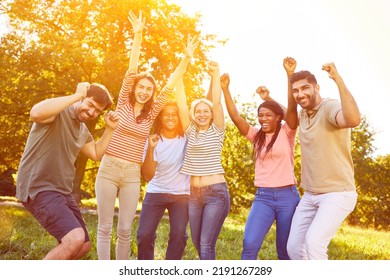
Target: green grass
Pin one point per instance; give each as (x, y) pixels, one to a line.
(22, 238)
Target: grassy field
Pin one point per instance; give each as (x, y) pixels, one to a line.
(22, 238)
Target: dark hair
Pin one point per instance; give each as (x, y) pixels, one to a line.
(100, 94)
(158, 122)
(148, 105)
(259, 140)
(303, 75)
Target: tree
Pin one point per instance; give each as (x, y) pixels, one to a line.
(379, 215)
(53, 45)
(237, 159)
(372, 178)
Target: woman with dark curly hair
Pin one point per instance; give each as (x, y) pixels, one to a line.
(167, 189)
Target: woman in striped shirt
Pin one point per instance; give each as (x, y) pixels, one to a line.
(119, 171)
(209, 196)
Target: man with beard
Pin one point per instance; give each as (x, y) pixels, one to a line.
(46, 172)
(326, 163)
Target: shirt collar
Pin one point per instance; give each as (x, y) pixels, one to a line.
(311, 113)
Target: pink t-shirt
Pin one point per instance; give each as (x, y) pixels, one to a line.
(277, 168)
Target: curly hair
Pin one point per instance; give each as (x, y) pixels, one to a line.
(158, 125)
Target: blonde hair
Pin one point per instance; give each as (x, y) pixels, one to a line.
(195, 103)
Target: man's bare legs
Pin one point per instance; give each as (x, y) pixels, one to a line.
(72, 246)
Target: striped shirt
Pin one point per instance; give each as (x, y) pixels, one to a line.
(129, 138)
(203, 153)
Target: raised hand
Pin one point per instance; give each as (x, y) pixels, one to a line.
(192, 44)
(112, 119)
(263, 92)
(152, 141)
(289, 65)
(213, 69)
(82, 89)
(331, 69)
(225, 80)
(138, 24)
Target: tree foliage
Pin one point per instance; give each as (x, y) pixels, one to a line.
(53, 45)
(237, 160)
(372, 178)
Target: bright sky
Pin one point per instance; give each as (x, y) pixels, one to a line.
(354, 34)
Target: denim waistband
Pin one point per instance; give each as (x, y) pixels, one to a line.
(276, 189)
(211, 187)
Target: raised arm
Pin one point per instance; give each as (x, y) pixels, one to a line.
(291, 114)
(128, 81)
(209, 95)
(181, 101)
(349, 115)
(192, 44)
(218, 116)
(239, 121)
(46, 110)
(95, 150)
(148, 168)
(264, 94)
(138, 25)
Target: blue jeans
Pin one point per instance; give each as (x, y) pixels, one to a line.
(270, 204)
(153, 208)
(209, 207)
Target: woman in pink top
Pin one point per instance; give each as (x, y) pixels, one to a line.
(276, 196)
(119, 171)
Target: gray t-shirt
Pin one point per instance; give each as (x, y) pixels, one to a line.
(48, 160)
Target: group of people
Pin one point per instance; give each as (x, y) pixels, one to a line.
(177, 150)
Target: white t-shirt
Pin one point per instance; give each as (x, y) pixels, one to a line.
(169, 153)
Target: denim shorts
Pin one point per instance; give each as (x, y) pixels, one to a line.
(57, 213)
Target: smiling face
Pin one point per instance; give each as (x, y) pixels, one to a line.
(306, 94)
(88, 109)
(203, 116)
(143, 91)
(268, 120)
(170, 118)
